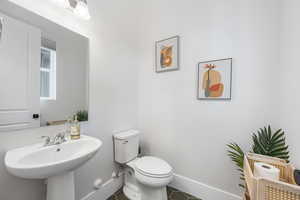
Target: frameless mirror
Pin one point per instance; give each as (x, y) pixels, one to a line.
(44, 71)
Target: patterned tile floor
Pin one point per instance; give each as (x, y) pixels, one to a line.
(173, 194)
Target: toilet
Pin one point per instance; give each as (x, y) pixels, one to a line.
(146, 177)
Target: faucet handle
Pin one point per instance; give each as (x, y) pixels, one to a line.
(60, 138)
(63, 136)
(44, 136)
(47, 141)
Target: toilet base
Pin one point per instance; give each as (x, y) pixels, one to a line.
(131, 192)
(145, 193)
(134, 190)
(149, 193)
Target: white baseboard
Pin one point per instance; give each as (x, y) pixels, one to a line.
(107, 189)
(190, 186)
(201, 190)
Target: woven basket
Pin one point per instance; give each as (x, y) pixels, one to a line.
(266, 189)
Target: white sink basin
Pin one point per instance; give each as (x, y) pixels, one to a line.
(54, 163)
(38, 162)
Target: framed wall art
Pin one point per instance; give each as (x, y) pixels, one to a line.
(167, 54)
(215, 80)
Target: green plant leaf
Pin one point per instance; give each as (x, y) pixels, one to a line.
(82, 115)
(236, 154)
(270, 144)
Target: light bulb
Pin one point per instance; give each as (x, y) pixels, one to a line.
(82, 10)
(62, 3)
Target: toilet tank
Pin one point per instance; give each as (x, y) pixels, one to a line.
(126, 146)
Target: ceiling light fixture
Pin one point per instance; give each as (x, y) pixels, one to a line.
(82, 9)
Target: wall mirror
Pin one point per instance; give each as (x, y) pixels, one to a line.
(43, 71)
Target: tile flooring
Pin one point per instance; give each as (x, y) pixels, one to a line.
(173, 194)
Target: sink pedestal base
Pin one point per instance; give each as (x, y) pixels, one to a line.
(61, 187)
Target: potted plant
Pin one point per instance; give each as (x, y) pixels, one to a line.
(82, 115)
(264, 142)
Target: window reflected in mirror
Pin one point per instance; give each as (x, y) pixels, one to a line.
(48, 70)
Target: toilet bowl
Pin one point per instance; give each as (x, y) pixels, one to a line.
(146, 177)
(153, 171)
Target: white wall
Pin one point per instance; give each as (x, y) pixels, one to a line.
(289, 109)
(113, 92)
(113, 82)
(192, 134)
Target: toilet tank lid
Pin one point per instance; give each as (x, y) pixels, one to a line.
(125, 135)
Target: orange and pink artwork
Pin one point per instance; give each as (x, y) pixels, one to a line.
(214, 79)
(167, 54)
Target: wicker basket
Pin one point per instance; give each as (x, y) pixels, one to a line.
(266, 189)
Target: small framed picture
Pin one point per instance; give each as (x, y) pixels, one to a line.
(215, 80)
(167, 54)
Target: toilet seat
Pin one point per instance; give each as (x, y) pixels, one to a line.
(153, 167)
(151, 171)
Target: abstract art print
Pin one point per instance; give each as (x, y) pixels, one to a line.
(167, 54)
(215, 79)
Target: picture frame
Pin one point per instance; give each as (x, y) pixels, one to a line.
(167, 54)
(214, 79)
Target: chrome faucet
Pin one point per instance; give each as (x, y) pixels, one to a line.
(60, 138)
(57, 139)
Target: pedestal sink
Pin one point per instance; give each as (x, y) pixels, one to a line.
(55, 163)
